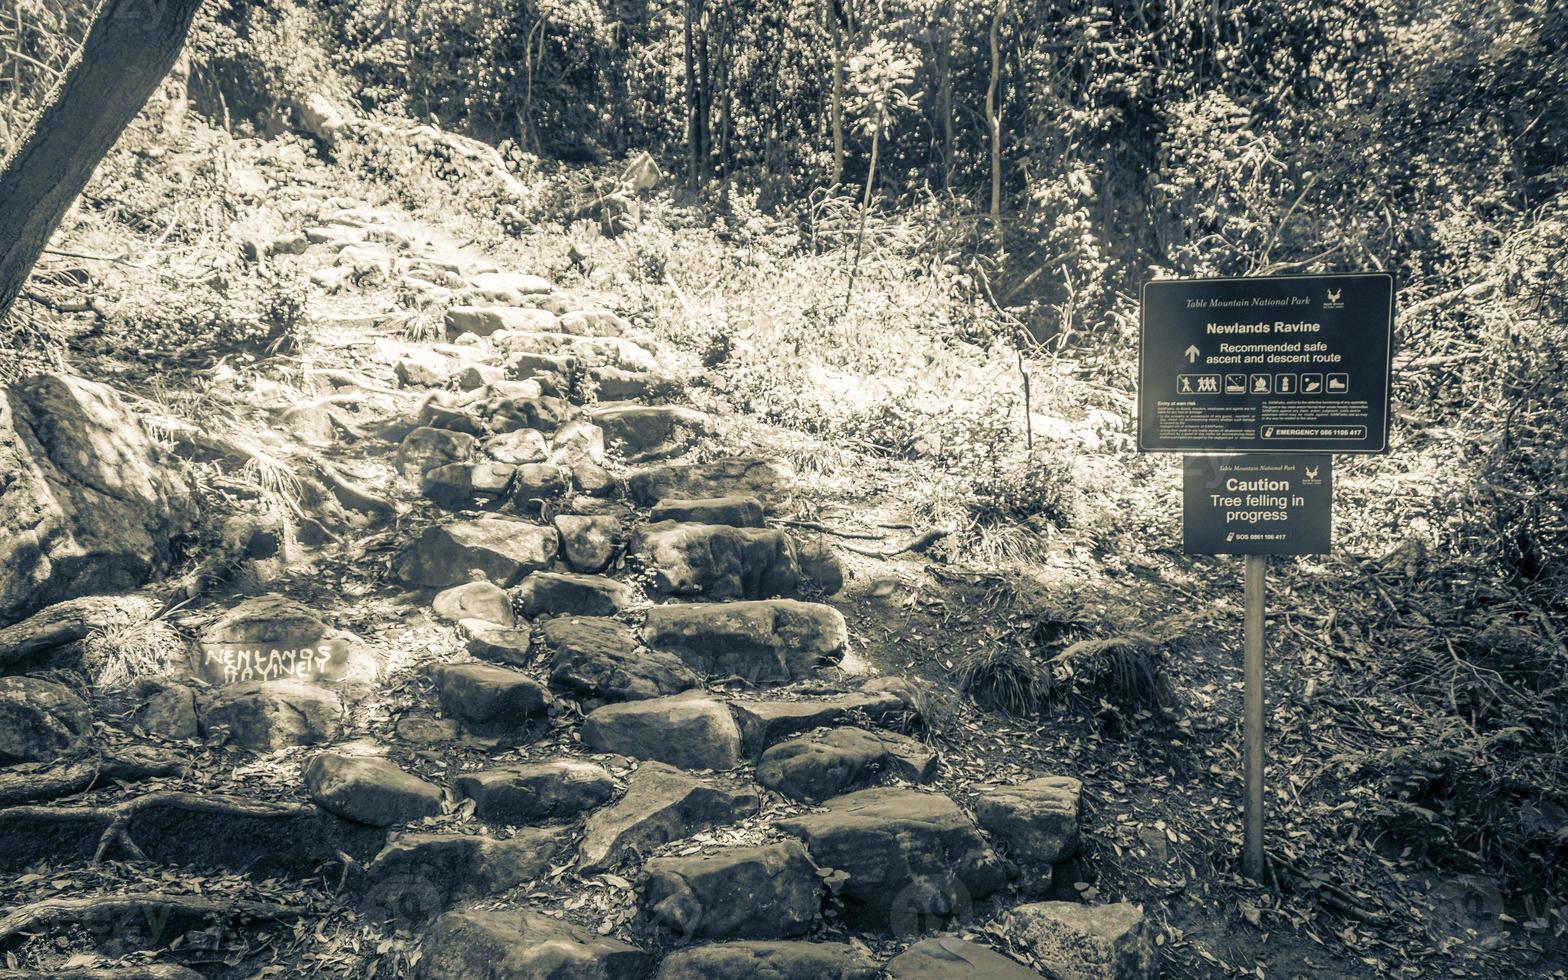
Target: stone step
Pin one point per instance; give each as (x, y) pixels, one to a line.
(595, 658)
(502, 283)
(493, 700)
(498, 644)
(500, 549)
(1083, 942)
(830, 763)
(771, 891)
(369, 790)
(774, 960)
(426, 448)
(765, 642)
(718, 561)
(951, 958)
(1034, 822)
(560, 789)
(265, 716)
(417, 876)
(518, 944)
(468, 486)
(572, 594)
(481, 601)
(483, 321)
(762, 723)
(910, 857)
(589, 543)
(690, 730)
(769, 480)
(616, 352)
(739, 511)
(661, 804)
(642, 433)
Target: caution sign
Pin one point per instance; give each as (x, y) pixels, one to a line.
(1282, 363)
(1257, 504)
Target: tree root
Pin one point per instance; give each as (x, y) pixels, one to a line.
(918, 543)
(83, 774)
(154, 909)
(72, 621)
(117, 816)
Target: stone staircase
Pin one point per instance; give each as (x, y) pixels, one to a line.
(650, 655)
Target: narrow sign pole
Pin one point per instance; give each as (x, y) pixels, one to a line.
(1252, 845)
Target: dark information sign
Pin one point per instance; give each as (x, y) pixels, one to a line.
(1257, 504)
(1282, 363)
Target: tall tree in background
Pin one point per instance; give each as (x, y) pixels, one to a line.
(993, 122)
(881, 73)
(129, 48)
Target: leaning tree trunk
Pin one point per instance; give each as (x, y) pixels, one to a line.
(130, 47)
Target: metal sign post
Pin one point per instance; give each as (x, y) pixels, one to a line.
(1252, 841)
(1284, 370)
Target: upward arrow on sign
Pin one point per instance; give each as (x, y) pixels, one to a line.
(1192, 354)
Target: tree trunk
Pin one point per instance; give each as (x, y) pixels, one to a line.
(692, 100)
(993, 120)
(944, 92)
(836, 111)
(129, 48)
(865, 206)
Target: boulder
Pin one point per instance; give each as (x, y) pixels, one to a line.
(484, 601)
(427, 448)
(423, 369)
(822, 764)
(477, 376)
(819, 564)
(769, 480)
(40, 720)
(500, 283)
(500, 549)
(592, 657)
(264, 716)
(577, 440)
(588, 543)
(369, 790)
(763, 723)
(498, 645)
(1083, 942)
(950, 958)
(88, 505)
(417, 875)
(766, 892)
(718, 561)
(661, 804)
(465, 486)
(644, 432)
(766, 642)
(618, 384)
(689, 730)
(542, 412)
(735, 511)
(520, 944)
(909, 758)
(777, 960)
(486, 320)
(561, 593)
(518, 447)
(556, 790)
(433, 414)
(909, 856)
(486, 696)
(1036, 822)
(536, 483)
(168, 710)
(272, 637)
